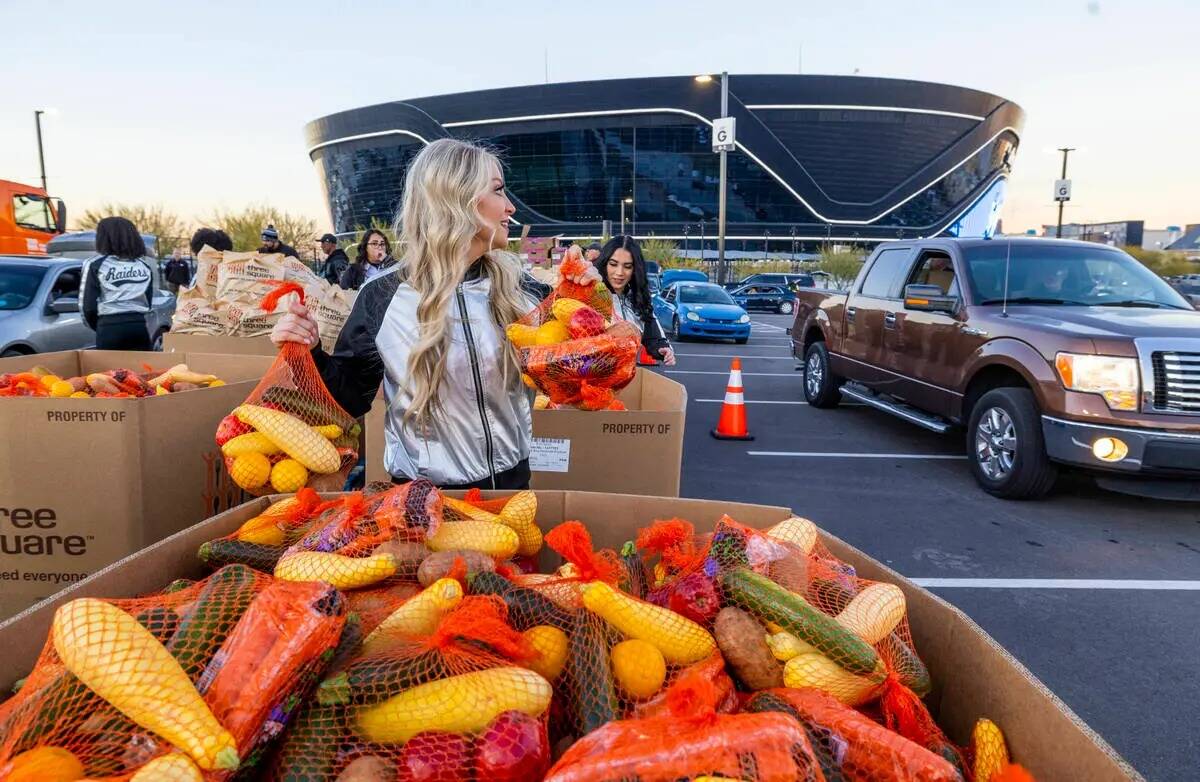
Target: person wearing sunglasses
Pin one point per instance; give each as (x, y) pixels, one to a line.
(374, 258)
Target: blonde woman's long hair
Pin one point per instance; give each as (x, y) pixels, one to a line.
(436, 222)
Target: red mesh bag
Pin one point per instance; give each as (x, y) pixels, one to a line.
(202, 677)
(260, 541)
(692, 740)
(570, 351)
(289, 433)
(458, 703)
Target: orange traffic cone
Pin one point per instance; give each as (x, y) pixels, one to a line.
(645, 359)
(732, 424)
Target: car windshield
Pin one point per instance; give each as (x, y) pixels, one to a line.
(703, 294)
(19, 284)
(1050, 273)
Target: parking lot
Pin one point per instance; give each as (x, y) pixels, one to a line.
(1115, 634)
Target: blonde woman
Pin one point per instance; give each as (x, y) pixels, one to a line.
(431, 329)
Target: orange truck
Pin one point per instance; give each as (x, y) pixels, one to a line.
(29, 219)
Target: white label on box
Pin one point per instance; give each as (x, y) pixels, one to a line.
(549, 454)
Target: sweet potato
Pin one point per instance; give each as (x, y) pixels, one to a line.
(438, 565)
(368, 768)
(409, 557)
(743, 643)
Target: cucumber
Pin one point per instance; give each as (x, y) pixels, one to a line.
(639, 580)
(591, 695)
(228, 551)
(178, 585)
(349, 644)
(221, 602)
(828, 747)
(309, 410)
(770, 602)
(376, 679)
(526, 607)
(309, 752)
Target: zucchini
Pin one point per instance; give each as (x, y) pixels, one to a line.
(310, 411)
(376, 679)
(591, 695)
(828, 747)
(638, 580)
(310, 749)
(229, 551)
(526, 607)
(221, 602)
(770, 602)
(349, 644)
(178, 585)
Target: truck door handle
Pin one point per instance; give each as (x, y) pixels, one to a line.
(850, 313)
(889, 320)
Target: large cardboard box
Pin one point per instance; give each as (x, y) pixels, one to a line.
(203, 343)
(973, 676)
(84, 482)
(636, 451)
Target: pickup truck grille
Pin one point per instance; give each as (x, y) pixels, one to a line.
(1176, 382)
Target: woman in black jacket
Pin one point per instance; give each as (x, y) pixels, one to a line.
(118, 287)
(623, 270)
(374, 258)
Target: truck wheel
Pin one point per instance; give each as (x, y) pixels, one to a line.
(820, 384)
(1005, 446)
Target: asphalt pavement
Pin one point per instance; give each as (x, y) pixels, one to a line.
(1121, 645)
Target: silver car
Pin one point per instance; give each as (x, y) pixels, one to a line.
(39, 307)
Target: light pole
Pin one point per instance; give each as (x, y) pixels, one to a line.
(721, 271)
(623, 202)
(1061, 202)
(37, 121)
(686, 230)
(766, 243)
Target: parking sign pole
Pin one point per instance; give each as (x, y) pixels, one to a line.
(721, 272)
(1061, 200)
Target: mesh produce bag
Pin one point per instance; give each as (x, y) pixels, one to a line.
(211, 672)
(289, 433)
(692, 740)
(570, 351)
(260, 541)
(455, 704)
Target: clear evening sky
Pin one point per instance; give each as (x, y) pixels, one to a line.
(201, 105)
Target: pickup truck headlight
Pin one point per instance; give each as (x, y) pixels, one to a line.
(1113, 377)
(692, 316)
(744, 319)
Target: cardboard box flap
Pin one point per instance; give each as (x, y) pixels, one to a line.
(661, 393)
(64, 363)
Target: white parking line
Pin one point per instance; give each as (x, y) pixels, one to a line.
(736, 355)
(1056, 583)
(744, 374)
(840, 455)
(777, 402)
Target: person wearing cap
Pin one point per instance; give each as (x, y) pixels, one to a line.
(272, 245)
(335, 261)
(592, 252)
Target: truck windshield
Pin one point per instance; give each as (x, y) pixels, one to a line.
(1049, 273)
(19, 285)
(703, 294)
(33, 212)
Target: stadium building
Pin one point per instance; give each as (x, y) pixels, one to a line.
(841, 158)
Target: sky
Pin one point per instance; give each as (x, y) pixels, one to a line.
(201, 106)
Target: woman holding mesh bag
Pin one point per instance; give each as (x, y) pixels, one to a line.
(431, 329)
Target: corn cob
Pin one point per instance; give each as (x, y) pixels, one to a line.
(169, 768)
(420, 614)
(874, 612)
(495, 540)
(120, 660)
(296, 438)
(991, 754)
(813, 669)
(679, 639)
(339, 571)
(459, 704)
(250, 442)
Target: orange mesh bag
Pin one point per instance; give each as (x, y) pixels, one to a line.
(570, 351)
(208, 673)
(458, 703)
(692, 741)
(260, 541)
(289, 433)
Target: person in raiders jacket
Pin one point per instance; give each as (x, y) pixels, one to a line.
(118, 287)
(431, 330)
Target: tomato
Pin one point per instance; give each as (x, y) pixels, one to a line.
(435, 756)
(695, 597)
(512, 749)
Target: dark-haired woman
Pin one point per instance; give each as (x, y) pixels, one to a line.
(374, 258)
(118, 287)
(623, 270)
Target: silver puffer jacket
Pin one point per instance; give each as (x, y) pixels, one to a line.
(484, 423)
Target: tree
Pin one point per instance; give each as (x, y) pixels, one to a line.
(245, 228)
(841, 265)
(664, 252)
(1164, 264)
(171, 230)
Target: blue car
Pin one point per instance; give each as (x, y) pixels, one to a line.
(701, 309)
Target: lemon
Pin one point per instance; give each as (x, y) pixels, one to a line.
(48, 381)
(81, 395)
(250, 470)
(288, 476)
(552, 332)
(551, 645)
(61, 389)
(639, 668)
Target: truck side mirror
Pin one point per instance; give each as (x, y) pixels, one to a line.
(60, 217)
(929, 298)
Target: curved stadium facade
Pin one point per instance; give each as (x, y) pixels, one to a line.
(818, 157)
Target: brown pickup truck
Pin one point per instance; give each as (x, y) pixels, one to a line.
(1047, 352)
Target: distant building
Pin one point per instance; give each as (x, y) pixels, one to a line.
(1189, 242)
(1160, 238)
(1118, 234)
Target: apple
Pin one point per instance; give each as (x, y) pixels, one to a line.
(512, 749)
(435, 756)
(230, 427)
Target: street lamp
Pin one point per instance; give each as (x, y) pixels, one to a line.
(623, 202)
(686, 230)
(721, 272)
(37, 120)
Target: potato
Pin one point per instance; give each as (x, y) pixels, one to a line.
(408, 557)
(368, 768)
(180, 385)
(438, 565)
(742, 641)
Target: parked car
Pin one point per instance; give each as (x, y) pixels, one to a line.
(771, 298)
(1048, 352)
(701, 309)
(791, 281)
(670, 276)
(1190, 289)
(39, 307)
(82, 245)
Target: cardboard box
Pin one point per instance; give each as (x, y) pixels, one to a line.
(202, 343)
(84, 482)
(973, 676)
(637, 451)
